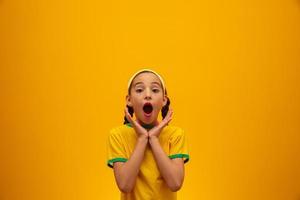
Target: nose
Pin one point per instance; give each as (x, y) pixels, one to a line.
(147, 94)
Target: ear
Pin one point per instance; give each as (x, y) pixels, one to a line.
(165, 100)
(128, 101)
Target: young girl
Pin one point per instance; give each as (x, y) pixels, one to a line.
(147, 156)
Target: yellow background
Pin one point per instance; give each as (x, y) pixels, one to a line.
(232, 73)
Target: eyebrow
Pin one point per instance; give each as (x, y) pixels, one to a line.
(143, 83)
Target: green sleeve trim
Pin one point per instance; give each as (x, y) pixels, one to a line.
(180, 155)
(110, 162)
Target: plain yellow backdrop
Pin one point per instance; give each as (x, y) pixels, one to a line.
(231, 70)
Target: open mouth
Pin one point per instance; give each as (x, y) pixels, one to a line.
(148, 108)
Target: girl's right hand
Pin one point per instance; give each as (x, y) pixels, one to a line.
(140, 131)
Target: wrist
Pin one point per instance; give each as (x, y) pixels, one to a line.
(153, 138)
(143, 138)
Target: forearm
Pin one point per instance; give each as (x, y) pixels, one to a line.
(131, 167)
(172, 174)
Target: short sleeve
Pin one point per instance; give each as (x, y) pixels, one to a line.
(115, 149)
(179, 146)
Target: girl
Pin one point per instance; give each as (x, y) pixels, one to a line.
(147, 156)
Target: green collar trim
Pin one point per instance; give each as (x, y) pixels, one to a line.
(146, 126)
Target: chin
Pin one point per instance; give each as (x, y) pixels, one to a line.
(148, 121)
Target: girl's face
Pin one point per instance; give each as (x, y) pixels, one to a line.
(146, 97)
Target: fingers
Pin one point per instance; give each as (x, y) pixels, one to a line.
(157, 129)
(136, 125)
(127, 115)
(129, 118)
(167, 118)
(169, 115)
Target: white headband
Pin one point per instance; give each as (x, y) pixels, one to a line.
(147, 70)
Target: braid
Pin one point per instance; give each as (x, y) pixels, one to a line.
(165, 109)
(130, 110)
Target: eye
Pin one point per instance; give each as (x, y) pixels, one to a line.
(155, 90)
(138, 90)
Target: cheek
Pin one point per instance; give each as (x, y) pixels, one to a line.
(159, 106)
(137, 108)
(135, 101)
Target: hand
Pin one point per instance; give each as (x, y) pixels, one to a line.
(155, 131)
(141, 131)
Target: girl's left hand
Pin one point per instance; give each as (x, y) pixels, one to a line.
(155, 131)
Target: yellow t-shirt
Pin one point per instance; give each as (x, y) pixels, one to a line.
(149, 184)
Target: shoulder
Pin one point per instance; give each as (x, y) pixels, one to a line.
(120, 130)
(173, 131)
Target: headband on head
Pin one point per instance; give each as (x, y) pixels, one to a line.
(147, 70)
